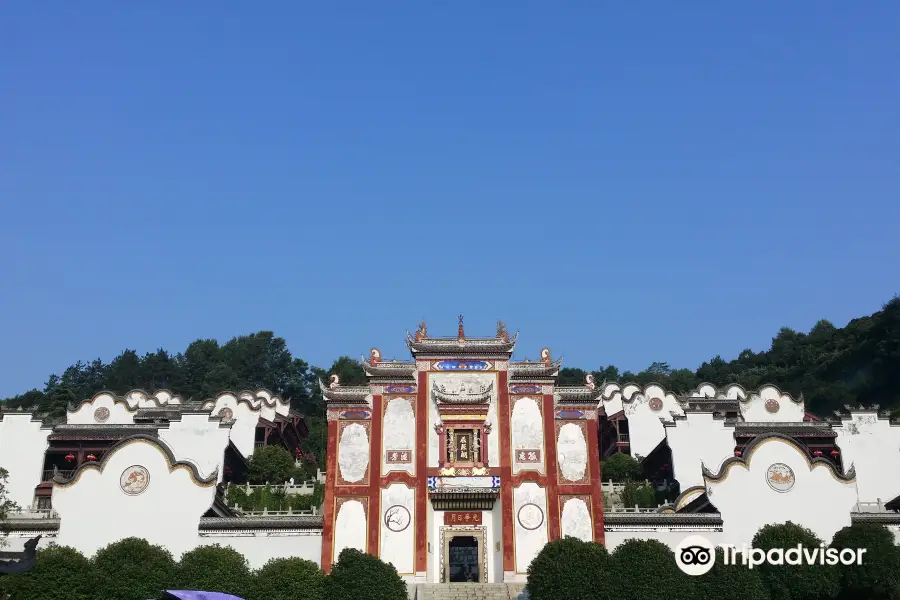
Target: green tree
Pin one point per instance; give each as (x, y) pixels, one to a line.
(794, 582)
(878, 577)
(270, 464)
(646, 570)
(61, 573)
(360, 576)
(731, 582)
(6, 505)
(640, 494)
(132, 569)
(621, 468)
(288, 579)
(567, 568)
(214, 569)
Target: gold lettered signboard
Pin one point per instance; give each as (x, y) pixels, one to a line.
(462, 518)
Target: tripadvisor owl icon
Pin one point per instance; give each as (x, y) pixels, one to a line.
(695, 555)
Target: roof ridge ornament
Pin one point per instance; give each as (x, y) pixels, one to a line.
(501, 331)
(335, 382)
(545, 357)
(422, 332)
(461, 333)
(374, 356)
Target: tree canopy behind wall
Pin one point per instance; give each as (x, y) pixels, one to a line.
(831, 366)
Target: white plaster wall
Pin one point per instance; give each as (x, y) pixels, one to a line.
(528, 542)
(398, 547)
(199, 439)
(434, 442)
(669, 537)
(261, 546)
(872, 445)
(353, 453)
(527, 434)
(645, 429)
(572, 452)
(753, 407)
(141, 399)
(698, 440)
(576, 520)
(22, 446)
(243, 429)
(399, 433)
(611, 399)
(119, 412)
(261, 402)
(495, 533)
(817, 500)
(350, 527)
(94, 511)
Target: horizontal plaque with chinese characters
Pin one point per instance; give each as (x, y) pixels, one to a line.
(462, 518)
(528, 456)
(399, 457)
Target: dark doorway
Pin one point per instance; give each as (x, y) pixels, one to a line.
(463, 560)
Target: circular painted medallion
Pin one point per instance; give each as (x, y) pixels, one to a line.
(226, 414)
(772, 405)
(530, 516)
(134, 480)
(780, 477)
(396, 518)
(101, 414)
(656, 404)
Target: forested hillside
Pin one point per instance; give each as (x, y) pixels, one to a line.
(831, 366)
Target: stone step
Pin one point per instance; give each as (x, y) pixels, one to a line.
(470, 591)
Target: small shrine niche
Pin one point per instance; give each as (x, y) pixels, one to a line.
(463, 407)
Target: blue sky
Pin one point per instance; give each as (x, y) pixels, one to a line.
(624, 184)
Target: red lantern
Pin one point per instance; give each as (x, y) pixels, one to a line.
(835, 453)
(70, 457)
(228, 470)
(737, 452)
(817, 453)
(91, 457)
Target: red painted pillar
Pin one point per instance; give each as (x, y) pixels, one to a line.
(330, 478)
(374, 512)
(506, 483)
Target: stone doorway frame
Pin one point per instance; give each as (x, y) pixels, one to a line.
(479, 532)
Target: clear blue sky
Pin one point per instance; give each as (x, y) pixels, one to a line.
(622, 184)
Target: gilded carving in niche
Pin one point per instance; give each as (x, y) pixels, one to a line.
(463, 445)
(101, 415)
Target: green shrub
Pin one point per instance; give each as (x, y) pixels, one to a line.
(61, 573)
(621, 468)
(132, 569)
(360, 576)
(214, 569)
(288, 579)
(794, 582)
(731, 582)
(270, 464)
(878, 578)
(641, 494)
(567, 568)
(646, 570)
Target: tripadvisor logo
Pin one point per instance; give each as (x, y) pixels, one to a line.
(695, 555)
